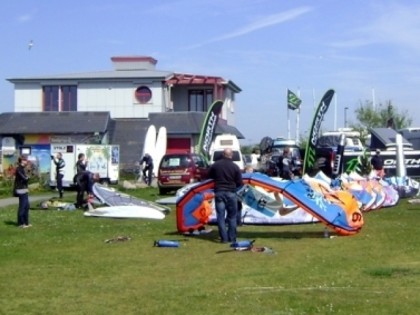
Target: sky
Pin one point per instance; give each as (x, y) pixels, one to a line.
(366, 50)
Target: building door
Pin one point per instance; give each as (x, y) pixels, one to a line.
(178, 145)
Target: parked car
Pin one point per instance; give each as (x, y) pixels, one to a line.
(179, 169)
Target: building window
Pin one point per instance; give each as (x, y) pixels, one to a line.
(60, 98)
(143, 94)
(199, 100)
(51, 98)
(69, 98)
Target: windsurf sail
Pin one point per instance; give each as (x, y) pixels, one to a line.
(309, 160)
(208, 129)
(113, 197)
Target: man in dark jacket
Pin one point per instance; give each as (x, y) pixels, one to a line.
(21, 190)
(85, 182)
(378, 164)
(59, 171)
(147, 169)
(227, 179)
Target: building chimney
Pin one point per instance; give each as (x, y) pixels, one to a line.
(125, 63)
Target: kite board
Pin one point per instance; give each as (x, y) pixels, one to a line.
(126, 212)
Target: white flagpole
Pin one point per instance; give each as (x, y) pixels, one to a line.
(288, 116)
(373, 100)
(298, 119)
(313, 98)
(335, 111)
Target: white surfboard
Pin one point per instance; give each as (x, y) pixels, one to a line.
(126, 212)
(150, 141)
(160, 147)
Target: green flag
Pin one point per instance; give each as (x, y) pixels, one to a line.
(293, 102)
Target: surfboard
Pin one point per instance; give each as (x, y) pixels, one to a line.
(259, 201)
(150, 142)
(160, 145)
(126, 212)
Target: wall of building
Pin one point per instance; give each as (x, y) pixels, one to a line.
(119, 99)
(28, 97)
(116, 97)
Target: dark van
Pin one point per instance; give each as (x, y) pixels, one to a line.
(179, 169)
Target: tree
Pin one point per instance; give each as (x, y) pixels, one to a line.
(382, 116)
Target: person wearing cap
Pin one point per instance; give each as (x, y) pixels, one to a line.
(378, 164)
(21, 190)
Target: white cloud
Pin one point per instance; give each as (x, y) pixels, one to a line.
(24, 18)
(266, 22)
(391, 24)
(261, 23)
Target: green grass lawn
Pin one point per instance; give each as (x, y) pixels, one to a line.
(62, 265)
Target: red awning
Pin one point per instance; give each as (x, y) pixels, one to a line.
(188, 79)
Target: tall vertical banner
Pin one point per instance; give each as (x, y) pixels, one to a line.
(309, 160)
(208, 129)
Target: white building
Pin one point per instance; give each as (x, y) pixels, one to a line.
(134, 93)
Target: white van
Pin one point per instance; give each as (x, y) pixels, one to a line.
(222, 142)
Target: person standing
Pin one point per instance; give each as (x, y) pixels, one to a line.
(148, 168)
(85, 181)
(286, 164)
(255, 158)
(59, 171)
(227, 179)
(22, 191)
(378, 164)
(81, 166)
(81, 163)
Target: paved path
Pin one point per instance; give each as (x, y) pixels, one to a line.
(14, 200)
